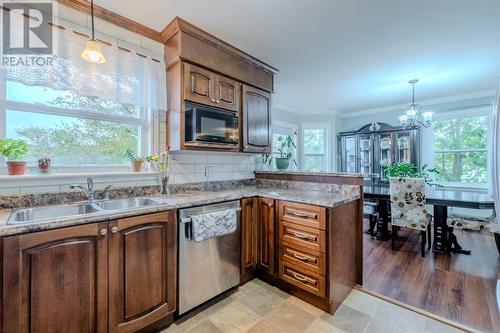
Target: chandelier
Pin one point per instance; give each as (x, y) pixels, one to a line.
(414, 117)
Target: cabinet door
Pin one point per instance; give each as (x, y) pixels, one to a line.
(199, 85)
(248, 238)
(227, 93)
(56, 281)
(256, 120)
(349, 157)
(266, 236)
(142, 270)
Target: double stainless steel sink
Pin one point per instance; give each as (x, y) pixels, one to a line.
(40, 214)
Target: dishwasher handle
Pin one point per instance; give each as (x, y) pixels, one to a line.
(188, 219)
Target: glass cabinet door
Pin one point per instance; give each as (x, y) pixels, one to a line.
(350, 154)
(365, 154)
(385, 153)
(403, 150)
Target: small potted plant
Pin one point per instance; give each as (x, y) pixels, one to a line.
(264, 162)
(153, 162)
(134, 160)
(44, 164)
(14, 151)
(285, 146)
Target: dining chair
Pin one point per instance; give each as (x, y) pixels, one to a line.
(408, 208)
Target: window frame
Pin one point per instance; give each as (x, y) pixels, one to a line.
(144, 121)
(482, 111)
(326, 145)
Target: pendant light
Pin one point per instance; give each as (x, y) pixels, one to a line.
(92, 52)
(414, 117)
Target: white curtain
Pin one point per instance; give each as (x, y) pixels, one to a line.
(494, 157)
(125, 77)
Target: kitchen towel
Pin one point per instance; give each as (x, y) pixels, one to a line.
(215, 224)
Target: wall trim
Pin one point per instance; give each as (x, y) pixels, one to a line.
(395, 107)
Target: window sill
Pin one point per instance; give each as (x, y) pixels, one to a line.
(11, 185)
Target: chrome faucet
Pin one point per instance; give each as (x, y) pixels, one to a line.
(89, 191)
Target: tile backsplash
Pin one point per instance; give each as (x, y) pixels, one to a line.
(190, 167)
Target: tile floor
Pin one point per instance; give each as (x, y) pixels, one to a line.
(258, 307)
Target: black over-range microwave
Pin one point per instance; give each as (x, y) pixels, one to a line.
(208, 125)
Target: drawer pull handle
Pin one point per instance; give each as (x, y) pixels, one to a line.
(302, 278)
(302, 236)
(303, 258)
(298, 214)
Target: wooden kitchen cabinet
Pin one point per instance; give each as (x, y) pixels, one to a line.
(142, 270)
(117, 276)
(56, 281)
(256, 115)
(206, 87)
(266, 238)
(249, 211)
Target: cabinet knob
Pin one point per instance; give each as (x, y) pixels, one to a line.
(103, 232)
(213, 100)
(269, 204)
(114, 230)
(217, 101)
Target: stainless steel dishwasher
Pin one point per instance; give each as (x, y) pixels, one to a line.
(210, 267)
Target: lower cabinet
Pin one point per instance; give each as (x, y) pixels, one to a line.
(70, 279)
(266, 236)
(249, 215)
(142, 271)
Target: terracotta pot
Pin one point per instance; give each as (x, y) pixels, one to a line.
(136, 165)
(16, 168)
(44, 167)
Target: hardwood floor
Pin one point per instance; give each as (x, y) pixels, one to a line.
(458, 287)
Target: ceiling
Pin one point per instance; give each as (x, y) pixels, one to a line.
(348, 55)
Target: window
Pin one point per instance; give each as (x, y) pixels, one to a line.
(460, 149)
(71, 129)
(283, 129)
(315, 140)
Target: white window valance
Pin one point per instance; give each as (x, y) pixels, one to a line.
(126, 77)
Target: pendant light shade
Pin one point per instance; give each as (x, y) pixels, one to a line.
(93, 52)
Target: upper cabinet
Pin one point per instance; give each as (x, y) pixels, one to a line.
(205, 87)
(206, 70)
(256, 120)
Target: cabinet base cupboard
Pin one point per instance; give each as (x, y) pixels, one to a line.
(314, 248)
(116, 276)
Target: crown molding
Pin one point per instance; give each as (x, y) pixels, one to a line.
(434, 101)
(300, 112)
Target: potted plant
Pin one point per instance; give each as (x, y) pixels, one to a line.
(264, 162)
(285, 147)
(14, 151)
(153, 162)
(134, 160)
(44, 164)
(410, 170)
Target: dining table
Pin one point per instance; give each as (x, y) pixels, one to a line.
(444, 240)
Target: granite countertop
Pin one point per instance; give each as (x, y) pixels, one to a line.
(318, 173)
(184, 200)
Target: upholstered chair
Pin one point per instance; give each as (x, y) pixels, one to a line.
(408, 208)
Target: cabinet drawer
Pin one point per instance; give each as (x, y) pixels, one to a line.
(310, 260)
(313, 283)
(307, 215)
(302, 236)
